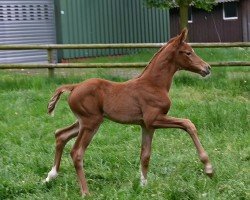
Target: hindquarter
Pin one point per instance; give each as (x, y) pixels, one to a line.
(85, 99)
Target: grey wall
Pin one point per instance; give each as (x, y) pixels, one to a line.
(26, 22)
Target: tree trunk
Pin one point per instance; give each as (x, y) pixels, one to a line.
(183, 16)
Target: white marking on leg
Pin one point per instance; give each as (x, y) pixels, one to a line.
(52, 113)
(143, 180)
(208, 169)
(52, 174)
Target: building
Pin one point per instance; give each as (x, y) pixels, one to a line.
(72, 22)
(26, 22)
(229, 21)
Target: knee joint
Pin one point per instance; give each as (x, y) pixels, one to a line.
(76, 156)
(58, 133)
(60, 141)
(190, 126)
(59, 136)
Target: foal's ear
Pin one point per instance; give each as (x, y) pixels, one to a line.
(182, 37)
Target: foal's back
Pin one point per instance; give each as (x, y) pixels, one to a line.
(116, 101)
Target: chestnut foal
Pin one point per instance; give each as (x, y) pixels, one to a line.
(143, 101)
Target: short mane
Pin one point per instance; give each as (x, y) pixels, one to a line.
(156, 54)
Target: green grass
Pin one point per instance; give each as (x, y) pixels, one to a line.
(208, 54)
(218, 105)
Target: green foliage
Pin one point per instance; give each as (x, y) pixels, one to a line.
(205, 5)
(161, 3)
(202, 4)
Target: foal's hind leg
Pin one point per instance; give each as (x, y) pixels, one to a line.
(62, 137)
(86, 133)
(147, 136)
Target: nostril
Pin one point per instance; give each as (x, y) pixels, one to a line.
(209, 67)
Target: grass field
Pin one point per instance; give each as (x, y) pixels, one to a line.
(208, 54)
(218, 105)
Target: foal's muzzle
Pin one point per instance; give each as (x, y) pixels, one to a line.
(205, 71)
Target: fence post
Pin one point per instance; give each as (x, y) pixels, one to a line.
(50, 60)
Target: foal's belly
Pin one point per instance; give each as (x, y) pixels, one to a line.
(123, 114)
(122, 109)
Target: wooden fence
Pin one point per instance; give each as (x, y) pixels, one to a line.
(51, 65)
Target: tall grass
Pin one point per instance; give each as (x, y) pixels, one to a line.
(218, 105)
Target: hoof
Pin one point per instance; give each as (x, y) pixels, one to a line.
(209, 171)
(85, 194)
(144, 183)
(51, 175)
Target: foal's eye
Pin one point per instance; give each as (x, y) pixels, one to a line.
(188, 53)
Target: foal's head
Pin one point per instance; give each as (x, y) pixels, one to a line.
(185, 58)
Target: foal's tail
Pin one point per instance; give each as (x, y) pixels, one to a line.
(56, 96)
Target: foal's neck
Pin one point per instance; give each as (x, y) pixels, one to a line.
(160, 72)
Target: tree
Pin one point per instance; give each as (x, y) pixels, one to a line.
(183, 6)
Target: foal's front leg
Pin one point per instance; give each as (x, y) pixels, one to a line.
(147, 136)
(185, 124)
(62, 137)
